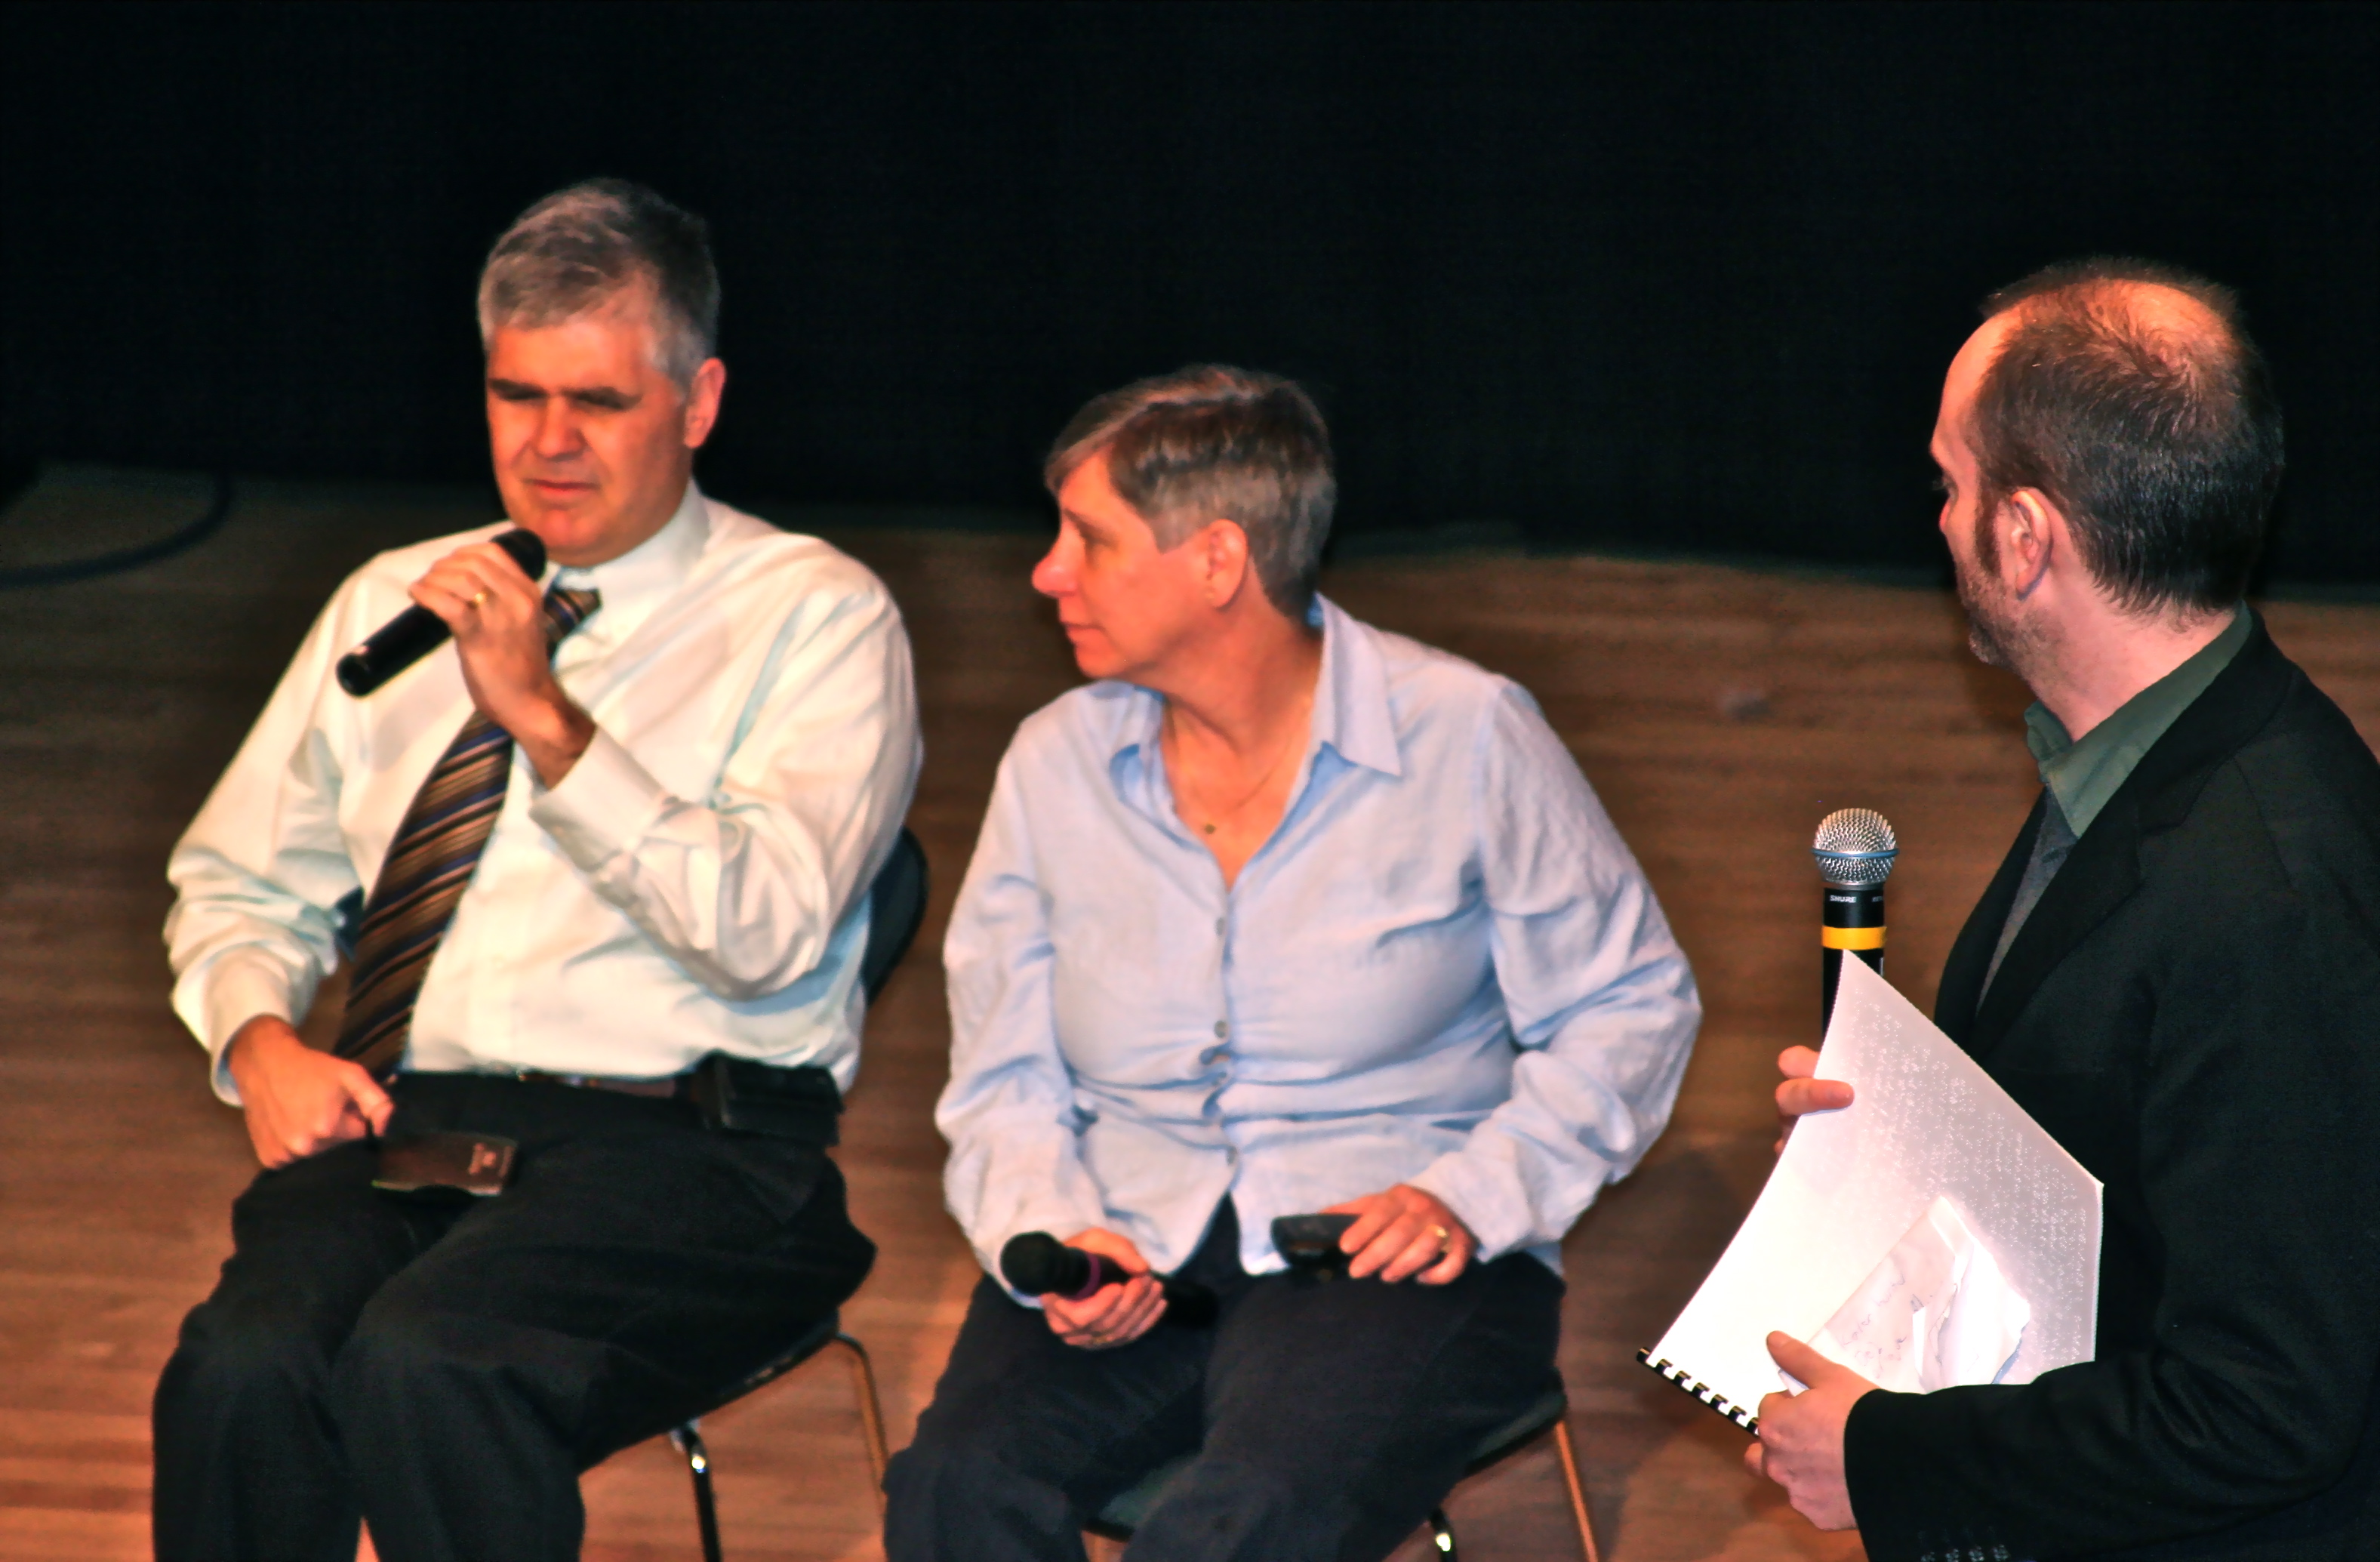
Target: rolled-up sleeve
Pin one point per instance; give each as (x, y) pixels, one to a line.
(1008, 1110)
(1601, 1000)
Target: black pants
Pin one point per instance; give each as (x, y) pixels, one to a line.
(1328, 1417)
(447, 1372)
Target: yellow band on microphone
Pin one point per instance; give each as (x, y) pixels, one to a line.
(1851, 939)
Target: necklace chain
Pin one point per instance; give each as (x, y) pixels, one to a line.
(1215, 816)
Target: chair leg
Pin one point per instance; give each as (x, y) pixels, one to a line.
(871, 1412)
(1577, 1494)
(1442, 1534)
(688, 1439)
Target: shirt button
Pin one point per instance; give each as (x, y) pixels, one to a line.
(1220, 924)
(1222, 1027)
(1212, 1054)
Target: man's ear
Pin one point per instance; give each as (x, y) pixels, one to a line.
(703, 401)
(2031, 537)
(1222, 561)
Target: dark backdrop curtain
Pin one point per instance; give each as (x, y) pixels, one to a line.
(1669, 276)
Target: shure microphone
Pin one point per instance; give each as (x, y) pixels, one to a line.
(1038, 1264)
(417, 631)
(1855, 850)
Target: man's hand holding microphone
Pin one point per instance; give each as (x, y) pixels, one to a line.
(298, 1101)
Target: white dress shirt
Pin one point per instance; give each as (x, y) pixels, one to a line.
(696, 882)
(1443, 968)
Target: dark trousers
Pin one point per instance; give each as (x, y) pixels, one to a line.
(446, 1371)
(1329, 1417)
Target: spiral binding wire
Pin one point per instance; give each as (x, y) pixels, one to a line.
(1742, 1415)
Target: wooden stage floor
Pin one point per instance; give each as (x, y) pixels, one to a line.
(1720, 713)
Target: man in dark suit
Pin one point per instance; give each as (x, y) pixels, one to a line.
(2176, 970)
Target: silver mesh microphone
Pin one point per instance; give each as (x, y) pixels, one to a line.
(1855, 848)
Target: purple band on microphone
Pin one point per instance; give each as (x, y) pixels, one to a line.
(1098, 1277)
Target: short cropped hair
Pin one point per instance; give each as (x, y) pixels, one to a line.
(2160, 440)
(1211, 442)
(579, 248)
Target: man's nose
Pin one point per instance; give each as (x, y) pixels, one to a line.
(557, 428)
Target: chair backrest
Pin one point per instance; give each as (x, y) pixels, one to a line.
(897, 904)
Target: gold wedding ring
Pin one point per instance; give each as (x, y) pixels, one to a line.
(1444, 1237)
(478, 597)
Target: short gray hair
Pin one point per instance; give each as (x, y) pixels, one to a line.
(578, 247)
(1212, 442)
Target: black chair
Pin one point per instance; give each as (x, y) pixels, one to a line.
(897, 905)
(1549, 1414)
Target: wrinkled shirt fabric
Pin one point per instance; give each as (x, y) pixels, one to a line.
(1444, 968)
(696, 882)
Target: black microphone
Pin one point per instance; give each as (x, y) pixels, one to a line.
(1037, 1263)
(417, 631)
(1855, 848)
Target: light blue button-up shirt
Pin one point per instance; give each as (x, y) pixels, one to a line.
(1443, 968)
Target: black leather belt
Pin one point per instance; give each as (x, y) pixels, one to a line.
(734, 1095)
(674, 1087)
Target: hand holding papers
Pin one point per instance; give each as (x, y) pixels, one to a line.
(1847, 1229)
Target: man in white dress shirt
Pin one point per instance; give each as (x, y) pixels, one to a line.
(618, 837)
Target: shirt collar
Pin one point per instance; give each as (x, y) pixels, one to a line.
(1352, 714)
(1350, 697)
(2082, 775)
(639, 579)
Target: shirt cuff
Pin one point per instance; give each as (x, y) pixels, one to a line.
(237, 994)
(1498, 1221)
(602, 807)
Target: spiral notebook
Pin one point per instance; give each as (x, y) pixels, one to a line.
(1830, 1238)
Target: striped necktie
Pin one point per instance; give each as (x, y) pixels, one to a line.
(429, 866)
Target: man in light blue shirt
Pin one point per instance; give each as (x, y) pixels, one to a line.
(1284, 914)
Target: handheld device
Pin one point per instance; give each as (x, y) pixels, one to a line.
(1310, 1242)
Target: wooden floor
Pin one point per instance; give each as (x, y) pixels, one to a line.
(1720, 713)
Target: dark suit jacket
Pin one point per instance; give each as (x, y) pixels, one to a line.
(2193, 1010)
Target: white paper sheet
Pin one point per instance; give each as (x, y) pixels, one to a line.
(1926, 1123)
